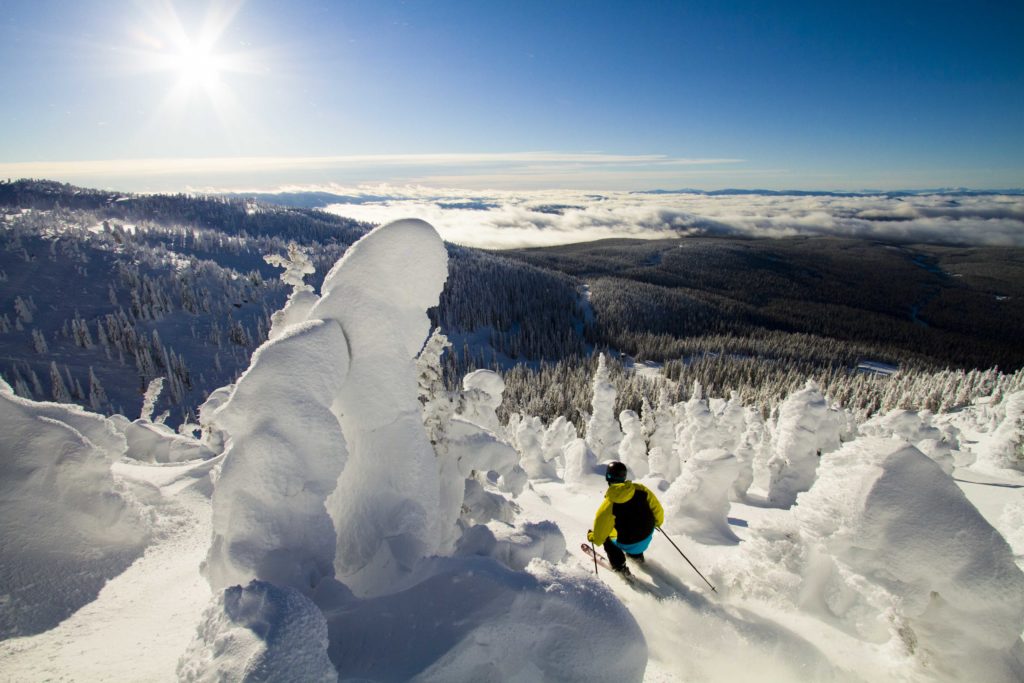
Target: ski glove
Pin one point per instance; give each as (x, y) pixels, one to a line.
(590, 535)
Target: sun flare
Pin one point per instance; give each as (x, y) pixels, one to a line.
(196, 55)
(198, 65)
(205, 66)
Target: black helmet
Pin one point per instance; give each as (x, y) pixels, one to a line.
(616, 473)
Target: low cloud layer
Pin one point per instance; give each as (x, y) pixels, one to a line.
(508, 220)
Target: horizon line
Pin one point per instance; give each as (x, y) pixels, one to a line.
(394, 191)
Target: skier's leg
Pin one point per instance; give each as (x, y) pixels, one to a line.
(616, 557)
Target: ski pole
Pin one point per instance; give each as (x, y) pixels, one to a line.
(686, 558)
(593, 553)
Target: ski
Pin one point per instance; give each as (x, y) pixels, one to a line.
(593, 554)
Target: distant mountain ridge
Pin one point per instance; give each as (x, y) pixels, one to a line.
(315, 199)
(949, 192)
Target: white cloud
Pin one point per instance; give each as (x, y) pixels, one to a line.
(516, 219)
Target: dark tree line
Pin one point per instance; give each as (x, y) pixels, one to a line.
(531, 313)
(956, 306)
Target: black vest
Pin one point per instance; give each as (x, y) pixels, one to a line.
(634, 520)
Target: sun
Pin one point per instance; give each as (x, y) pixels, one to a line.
(205, 64)
(197, 66)
(193, 53)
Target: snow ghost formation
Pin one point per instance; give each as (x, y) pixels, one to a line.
(559, 434)
(633, 449)
(661, 458)
(697, 503)
(528, 438)
(696, 429)
(482, 391)
(580, 461)
(480, 455)
(603, 433)
(334, 533)
(285, 450)
(751, 441)
(806, 429)
(330, 405)
(477, 430)
(386, 507)
(1007, 445)
(732, 422)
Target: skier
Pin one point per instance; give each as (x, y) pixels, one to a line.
(626, 519)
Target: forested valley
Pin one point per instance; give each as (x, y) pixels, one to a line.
(104, 292)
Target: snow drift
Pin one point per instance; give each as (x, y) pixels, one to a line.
(66, 526)
(261, 632)
(886, 546)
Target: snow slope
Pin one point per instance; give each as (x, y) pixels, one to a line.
(143, 620)
(140, 623)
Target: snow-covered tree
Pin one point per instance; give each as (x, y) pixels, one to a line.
(603, 432)
(751, 443)
(559, 434)
(481, 395)
(917, 429)
(807, 428)
(379, 293)
(633, 448)
(150, 398)
(437, 404)
(661, 456)
(58, 389)
(697, 503)
(696, 428)
(297, 265)
(647, 419)
(1006, 445)
(896, 552)
(23, 309)
(478, 430)
(37, 386)
(732, 422)
(528, 438)
(80, 332)
(39, 344)
(580, 461)
(97, 395)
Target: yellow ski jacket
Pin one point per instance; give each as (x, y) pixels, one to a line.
(628, 513)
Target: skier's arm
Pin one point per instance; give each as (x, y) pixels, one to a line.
(604, 523)
(656, 509)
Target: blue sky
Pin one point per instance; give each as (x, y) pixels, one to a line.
(600, 95)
